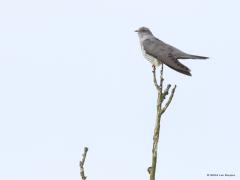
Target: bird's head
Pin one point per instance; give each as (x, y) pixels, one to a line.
(143, 31)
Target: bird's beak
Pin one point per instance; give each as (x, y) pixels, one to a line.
(136, 30)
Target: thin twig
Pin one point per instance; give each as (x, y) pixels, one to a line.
(169, 99)
(165, 92)
(81, 164)
(155, 79)
(161, 79)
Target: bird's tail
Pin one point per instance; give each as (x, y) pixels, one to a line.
(190, 56)
(179, 67)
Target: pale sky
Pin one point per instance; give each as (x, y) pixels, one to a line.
(72, 75)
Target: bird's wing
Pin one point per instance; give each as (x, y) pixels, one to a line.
(165, 53)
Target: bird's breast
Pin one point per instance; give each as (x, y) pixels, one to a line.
(150, 58)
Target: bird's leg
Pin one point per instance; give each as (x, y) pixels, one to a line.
(154, 68)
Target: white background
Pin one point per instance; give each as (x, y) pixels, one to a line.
(72, 75)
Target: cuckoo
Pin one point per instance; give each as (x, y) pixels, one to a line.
(158, 52)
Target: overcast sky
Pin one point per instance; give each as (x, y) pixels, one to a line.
(72, 75)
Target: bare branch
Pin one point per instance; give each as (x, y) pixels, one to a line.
(169, 100)
(161, 97)
(152, 169)
(81, 164)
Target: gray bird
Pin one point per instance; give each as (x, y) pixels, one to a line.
(157, 52)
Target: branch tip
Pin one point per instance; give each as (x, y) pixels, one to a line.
(81, 164)
(169, 99)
